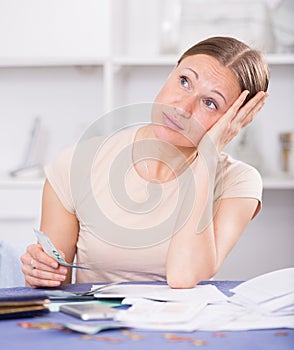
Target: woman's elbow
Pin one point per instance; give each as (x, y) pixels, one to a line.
(177, 283)
(187, 281)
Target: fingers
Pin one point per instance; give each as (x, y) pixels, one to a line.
(233, 110)
(37, 253)
(247, 113)
(40, 270)
(252, 108)
(42, 278)
(236, 117)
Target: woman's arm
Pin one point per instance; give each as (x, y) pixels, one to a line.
(194, 257)
(62, 228)
(197, 251)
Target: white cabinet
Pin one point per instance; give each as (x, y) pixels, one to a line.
(53, 30)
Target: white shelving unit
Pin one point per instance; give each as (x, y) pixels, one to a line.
(127, 75)
(121, 68)
(112, 68)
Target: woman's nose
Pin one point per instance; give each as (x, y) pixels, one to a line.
(182, 113)
(186, 107)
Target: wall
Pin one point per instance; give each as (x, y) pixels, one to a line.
(267, 243)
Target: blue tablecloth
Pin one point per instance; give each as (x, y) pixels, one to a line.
(12, 336)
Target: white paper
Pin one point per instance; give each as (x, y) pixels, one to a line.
(234, 318)
(267, 286)
(218, 317)
(280, 305)
(265, 302)
(159, 313)
(268, 299)
(202, 293)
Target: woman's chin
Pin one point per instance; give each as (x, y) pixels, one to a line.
(176, 138)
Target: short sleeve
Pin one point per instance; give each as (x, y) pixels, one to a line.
(58, 175)
(237, 179)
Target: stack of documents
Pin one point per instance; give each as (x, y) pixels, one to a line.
(156, 315)
(263, 302)
(158, 307)
(271, 294)
(161, 292)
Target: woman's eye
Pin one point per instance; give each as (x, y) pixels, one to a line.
(210, 104)
(184, 81)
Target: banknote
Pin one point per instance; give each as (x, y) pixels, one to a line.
(50, 249)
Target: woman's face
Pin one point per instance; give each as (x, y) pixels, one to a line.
(196, 95)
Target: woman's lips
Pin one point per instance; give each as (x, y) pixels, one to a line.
(171, 123)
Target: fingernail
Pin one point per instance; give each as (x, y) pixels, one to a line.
(63, 270)
(61, 277)
(54, 265)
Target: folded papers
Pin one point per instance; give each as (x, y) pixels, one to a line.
(201, 293)
(264, 302)
(156, 315)
(267, 286)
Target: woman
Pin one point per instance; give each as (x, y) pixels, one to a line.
(161, 201)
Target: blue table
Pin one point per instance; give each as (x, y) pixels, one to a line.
(12, 336)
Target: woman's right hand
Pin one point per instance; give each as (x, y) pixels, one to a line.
(40, 270)
(235, 118)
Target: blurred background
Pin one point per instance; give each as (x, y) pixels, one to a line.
(64, 63)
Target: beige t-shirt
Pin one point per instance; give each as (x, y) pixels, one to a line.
(125, 222)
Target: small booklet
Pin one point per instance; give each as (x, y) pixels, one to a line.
(22, 302)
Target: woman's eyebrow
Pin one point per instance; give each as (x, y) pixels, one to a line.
(220, 94)
(195, 73)
(215, 91)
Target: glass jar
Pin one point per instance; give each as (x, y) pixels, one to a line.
(287, 159)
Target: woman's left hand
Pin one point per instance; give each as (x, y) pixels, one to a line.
(236, 118)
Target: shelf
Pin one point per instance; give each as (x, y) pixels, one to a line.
(276, 59)
(278, 183)
(168, 60)
(21, 183)
(17, 183)
(21, 62)
(171, 60)
(164, 60)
